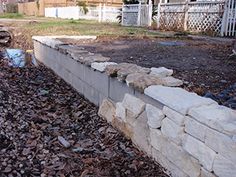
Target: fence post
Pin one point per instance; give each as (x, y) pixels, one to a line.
(100, 13)
(150, 13)
(158, 15)
(139, 14)
(104, 12)
(186, 16)
(122, 15)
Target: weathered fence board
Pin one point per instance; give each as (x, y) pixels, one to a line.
(214, 17)
(137, 14)
(229, 19)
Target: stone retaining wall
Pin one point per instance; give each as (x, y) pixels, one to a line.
(187, 134)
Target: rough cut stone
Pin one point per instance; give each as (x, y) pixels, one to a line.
(49, 41)
(205, 173)
(161, 72)
(181, 159)
(140, 81)
(80, 56)
(68, 49)
(141, 133)
(107, 110)
(157, 139)
(101, 66)
(221, 143)
(200, 151)
(123, 69)
(120, 111)
(177, 98)
(88, 60)
(223, 167)
(133, 104)
(172, 131)
(123, 127)
(217, 117)
(171, 82)
(172, 169)
(195, 128)
(154, 116)
(131, 68)
(173, 115)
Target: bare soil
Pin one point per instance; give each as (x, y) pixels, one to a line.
(204, 65)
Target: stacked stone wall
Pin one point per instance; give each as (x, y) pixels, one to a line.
(187, 134)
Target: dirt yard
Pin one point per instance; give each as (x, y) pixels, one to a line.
(203, 65)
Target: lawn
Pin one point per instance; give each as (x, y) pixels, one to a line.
(11, 15)
(85, 27)
(49, 26)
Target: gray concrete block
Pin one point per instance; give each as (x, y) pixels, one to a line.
(101, 98)
(91, 94)
(37, 50)
(77, 84)
(148, 99)
(97, 80)
(67, 76)
(75, 67)
(118, 89)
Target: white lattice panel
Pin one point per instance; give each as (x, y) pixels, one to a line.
(205, 17)
(194, 16)
(172, 16)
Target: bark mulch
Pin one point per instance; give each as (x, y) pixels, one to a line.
(48, 129)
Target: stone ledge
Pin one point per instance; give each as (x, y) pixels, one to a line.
(210, 129)
(217, 117)
(177, 98)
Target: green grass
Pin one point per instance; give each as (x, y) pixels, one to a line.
(50, 26)
(11, 15)
(85, 27)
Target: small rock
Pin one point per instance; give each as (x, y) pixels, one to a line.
(62, 140)
(102, 65)
(7, 170)
(223, 81)
(161, 72)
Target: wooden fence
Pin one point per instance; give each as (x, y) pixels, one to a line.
(191, 16)
(229, 19)
(214, 17)
(101, 13)
(137, 14)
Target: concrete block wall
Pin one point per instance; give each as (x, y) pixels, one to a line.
(187, 134)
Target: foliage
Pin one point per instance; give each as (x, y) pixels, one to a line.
(130, 1)
(38, 4)
(119, 16)
(154, 13)
(83, 5)
(11, 8)
(11, 15)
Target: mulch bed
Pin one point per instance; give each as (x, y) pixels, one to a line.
(37, 107)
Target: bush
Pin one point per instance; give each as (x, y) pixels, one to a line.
(83, 5)
(12, 8)
(130, 1)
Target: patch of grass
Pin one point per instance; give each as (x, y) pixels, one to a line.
(85, 27)
(11, 15)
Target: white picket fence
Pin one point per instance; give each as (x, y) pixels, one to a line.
(137, 14)
(100, 13)
(229, 19)
(215, 17)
